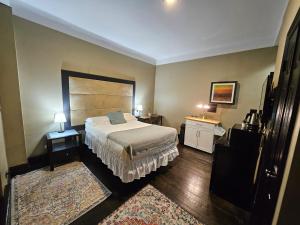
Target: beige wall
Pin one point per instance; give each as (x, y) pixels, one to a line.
(179, 87)
(9, 91)
(289, 16)
(42, 53)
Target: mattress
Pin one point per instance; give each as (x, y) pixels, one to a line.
(116, 156)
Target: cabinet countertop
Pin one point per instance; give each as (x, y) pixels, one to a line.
(198, 119)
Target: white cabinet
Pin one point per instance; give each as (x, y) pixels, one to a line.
(206, 139)
(200, 134)
(191, 136)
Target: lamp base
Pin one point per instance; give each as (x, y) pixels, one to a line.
(61, 129)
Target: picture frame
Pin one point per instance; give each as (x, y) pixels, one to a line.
(223, 92)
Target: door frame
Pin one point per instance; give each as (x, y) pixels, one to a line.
(258, 212)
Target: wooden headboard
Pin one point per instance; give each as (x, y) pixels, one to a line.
(86, 95)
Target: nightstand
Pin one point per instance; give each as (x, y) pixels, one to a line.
(63, 146)
(153, 119)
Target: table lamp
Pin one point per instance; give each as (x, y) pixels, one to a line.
(203, 108)
(60, 118)
(139, 109)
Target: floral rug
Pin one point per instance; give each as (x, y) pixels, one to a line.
(57, 197)
(149, 207)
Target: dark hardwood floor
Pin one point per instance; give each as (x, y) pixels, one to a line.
(185, 181)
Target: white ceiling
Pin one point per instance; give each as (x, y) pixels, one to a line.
(152, 32)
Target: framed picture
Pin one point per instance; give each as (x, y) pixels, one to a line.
(223, 92)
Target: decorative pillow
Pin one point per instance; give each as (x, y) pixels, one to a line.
(129, 117)
(116, 118)
(99, 120)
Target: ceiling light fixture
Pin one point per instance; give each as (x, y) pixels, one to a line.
(170, 2)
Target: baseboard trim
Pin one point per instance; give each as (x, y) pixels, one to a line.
(19, 169)
(2, 210)
(7, 205)
(33, 163)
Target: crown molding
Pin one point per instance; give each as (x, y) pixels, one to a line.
(5, 2)
(35, 15)
(277, 33)
(221, 50)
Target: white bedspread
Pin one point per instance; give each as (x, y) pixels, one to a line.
(118, 160)
(105, 130)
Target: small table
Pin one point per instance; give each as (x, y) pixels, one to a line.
(153, 119)
(63, 145)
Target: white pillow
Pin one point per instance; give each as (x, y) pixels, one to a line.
(129, 117)
(99, 120)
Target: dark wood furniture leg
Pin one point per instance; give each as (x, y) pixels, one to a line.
(80, 146)
(50, 152)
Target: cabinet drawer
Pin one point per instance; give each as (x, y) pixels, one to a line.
(66, 155)
(199, 124)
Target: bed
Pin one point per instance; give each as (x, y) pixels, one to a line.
(132, 149)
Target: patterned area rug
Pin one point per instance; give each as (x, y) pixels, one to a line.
(149, 207)
(57, 197)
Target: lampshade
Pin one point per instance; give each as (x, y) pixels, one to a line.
(60, 117)
(139, 108)
(206, 107)
(200, 106)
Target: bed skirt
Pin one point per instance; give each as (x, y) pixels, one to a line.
(120, 163)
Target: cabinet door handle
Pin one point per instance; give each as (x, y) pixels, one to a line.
(197, 138)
